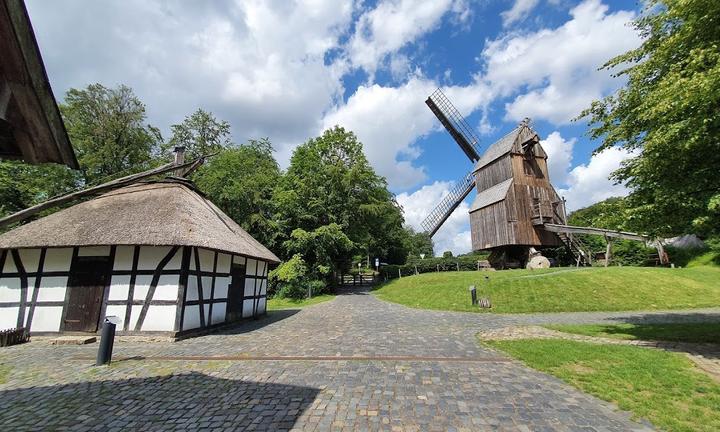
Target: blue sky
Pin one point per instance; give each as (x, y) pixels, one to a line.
(287, 70)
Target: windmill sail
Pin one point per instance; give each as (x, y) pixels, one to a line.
(448, 204)
(454, 122)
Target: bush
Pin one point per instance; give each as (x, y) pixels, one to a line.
(290, 280)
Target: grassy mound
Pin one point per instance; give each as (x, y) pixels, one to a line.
(561, 289)
(660, 386)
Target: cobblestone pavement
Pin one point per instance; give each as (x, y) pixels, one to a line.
(355, 363)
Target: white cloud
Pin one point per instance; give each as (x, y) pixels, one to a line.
(552, 73)
(519, 11)
(454, 235)
(559, 152)
(389, 120)
(590, 183)
(392, 24)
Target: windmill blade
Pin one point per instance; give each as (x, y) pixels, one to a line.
(454, 122)
(448, 204)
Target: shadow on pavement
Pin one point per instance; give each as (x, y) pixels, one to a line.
(188, 401)
(250, 325)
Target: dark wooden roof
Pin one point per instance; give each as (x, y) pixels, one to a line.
(31, 127)
(513, 142)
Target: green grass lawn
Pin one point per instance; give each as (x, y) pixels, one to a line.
(691, 332)
(561, 289)
(278, 303)
(660, 386)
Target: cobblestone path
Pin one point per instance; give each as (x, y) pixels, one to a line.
(355, 363)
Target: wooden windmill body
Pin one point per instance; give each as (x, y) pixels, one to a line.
(517, 211)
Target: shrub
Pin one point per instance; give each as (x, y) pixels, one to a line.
(291, 280)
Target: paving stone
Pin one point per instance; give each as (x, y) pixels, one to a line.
(358, 364)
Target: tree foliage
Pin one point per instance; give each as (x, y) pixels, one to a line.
(108, 129)
(331, 187)
(241, 180)
(419, 243)
(201, 134)
(668, 115)
(23, 185)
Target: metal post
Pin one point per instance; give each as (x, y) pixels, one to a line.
(399, 274)
(107, 338)
(473, 295)
(608, 251)
(457, 263)
(416, 272)
(437, 268)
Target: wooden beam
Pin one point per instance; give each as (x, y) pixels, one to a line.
(95, 190)
(596, 231)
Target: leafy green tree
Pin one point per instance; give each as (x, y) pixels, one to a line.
(668, 114)
(108, 129)
(419, 243)
(331, 184)
(241, 181)
(201, 134)
(23, 185)
(326, 249)
(447, 254)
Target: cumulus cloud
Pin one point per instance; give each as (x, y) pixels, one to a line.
(559, 152)
(454, 235)
(552, 74)
(519, 11)
(590, 183)
(392, 24)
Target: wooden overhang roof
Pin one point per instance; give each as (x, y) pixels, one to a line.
(160, 213)
(31, 127)
(513, 142)
(491, 195)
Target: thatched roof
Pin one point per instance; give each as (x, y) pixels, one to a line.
(491, 195)
(163, 213)
(510, 143)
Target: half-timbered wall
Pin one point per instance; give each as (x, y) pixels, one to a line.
(149, 288)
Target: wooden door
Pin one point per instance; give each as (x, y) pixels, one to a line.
(86, 286)
(236, 292)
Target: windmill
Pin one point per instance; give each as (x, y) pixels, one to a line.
(517, 210)
(514, 196)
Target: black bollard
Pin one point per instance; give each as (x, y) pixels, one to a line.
(107, 338)
(473, 295)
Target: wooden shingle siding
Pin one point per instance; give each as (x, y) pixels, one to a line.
(494, 173)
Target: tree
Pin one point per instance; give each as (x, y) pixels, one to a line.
(23, 185)
(419, 243)
(241, 180)
(201, 134)
(331, 184)
(668, 115)
(108, 131)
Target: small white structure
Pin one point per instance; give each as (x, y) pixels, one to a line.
(158, 255)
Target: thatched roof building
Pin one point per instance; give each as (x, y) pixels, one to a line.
(158, 255)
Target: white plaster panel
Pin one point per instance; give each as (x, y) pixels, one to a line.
(57, 259)
(249, 287)
(206, 309)
(150, 257)
(134, 316)
(159, 318)
(123, 258)
(223, 264)
(207, 259)
(251, 267)
(8, 317)
(142, 285)
(263, 287)
(207, 287)
(262, 268)
(10, 290)
(119, 288)
(192, 291)
(247, 308)
(221, 287)
(192, 266)
(167, 288)
(261, 306)
(239, 260)
(94, 251)
(117, 311)
(30, 259)
(30, 290)
(46, 318)
(52, 288)
(9, 266)
(191, 319)
(218, 313)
